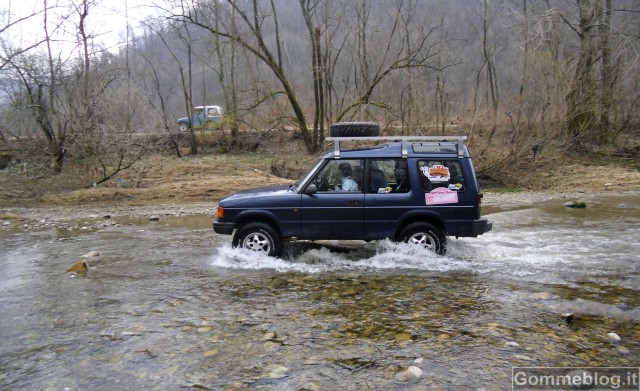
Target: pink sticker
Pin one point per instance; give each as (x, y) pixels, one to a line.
(441, 195)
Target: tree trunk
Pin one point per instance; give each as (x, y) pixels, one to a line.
(581, 100)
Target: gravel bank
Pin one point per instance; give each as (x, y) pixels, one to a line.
(63, 215)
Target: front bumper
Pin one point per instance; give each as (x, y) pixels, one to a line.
(223, 228)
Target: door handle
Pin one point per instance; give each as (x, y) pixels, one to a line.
(354, 203)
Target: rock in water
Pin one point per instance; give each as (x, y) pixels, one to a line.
(613, 337)
(78, 268)
(412, 373)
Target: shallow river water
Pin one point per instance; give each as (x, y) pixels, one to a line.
(168, 305)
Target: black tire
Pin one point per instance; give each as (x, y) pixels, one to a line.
(260, 237)
(425, 234)
(355, 129)
(183, 127)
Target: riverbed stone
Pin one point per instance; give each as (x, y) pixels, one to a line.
(613, 337)
(274, 371)
(622, 350)
(410, 374)
(78, 268)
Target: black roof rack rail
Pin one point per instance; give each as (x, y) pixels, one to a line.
(435, 140)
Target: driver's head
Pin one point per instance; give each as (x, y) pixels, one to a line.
(345, 169)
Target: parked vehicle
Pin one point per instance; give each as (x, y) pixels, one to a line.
(201, 116)
(412, 189)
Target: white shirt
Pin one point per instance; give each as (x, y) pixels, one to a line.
(349, 184)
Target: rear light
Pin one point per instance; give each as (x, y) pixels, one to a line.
(480, 196)
(220, 213)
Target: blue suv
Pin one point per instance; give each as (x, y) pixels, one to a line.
(412, 189)
(201, 116)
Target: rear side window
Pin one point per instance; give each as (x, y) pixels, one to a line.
(388, 176)
(441, 173)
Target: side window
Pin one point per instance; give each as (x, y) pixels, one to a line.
(344, 175)
(441, 173)
(388, 176)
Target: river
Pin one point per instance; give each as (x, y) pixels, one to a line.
(169, 305)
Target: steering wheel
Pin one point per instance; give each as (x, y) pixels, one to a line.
(322, 183)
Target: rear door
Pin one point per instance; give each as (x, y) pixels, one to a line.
(388, 196)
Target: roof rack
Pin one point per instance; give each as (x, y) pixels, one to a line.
(434, 140)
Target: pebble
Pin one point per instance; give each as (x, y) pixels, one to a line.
(274, 371)
(412, 373)
(78, 268)
(91, 254)
(623, 350)
(613, 337)
(512, 344)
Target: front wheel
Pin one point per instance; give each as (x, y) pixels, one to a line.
(183, 127)
(425, 234)
(259, 237)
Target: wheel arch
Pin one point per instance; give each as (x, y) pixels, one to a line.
(420, 218)
(258, 216)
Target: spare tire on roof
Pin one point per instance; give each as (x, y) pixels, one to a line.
(355, 129)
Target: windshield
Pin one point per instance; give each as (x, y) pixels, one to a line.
(306, 175)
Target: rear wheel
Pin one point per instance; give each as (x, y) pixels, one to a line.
(425, 234)
(259, 237)
(183, 127)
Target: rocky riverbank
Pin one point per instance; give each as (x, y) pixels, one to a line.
(96, 216)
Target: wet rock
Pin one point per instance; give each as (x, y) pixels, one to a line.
(78, 268)
(542, 296)
(312, 386)
(568, 317)
(154, 218)
(274, 371)
(622, 350)
(575, 204)
(312, 361)
(412, 373)
(613, 337)
(269, 336)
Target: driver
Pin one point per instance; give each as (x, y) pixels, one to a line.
(348, 184)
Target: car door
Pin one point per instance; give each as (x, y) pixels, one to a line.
(388, 196)
(336, 209)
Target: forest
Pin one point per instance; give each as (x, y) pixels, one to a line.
(517, 77)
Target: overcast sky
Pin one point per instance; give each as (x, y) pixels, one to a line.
(107, 20)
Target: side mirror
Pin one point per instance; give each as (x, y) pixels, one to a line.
(311, 189)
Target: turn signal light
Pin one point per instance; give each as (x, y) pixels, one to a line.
(220, 213)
